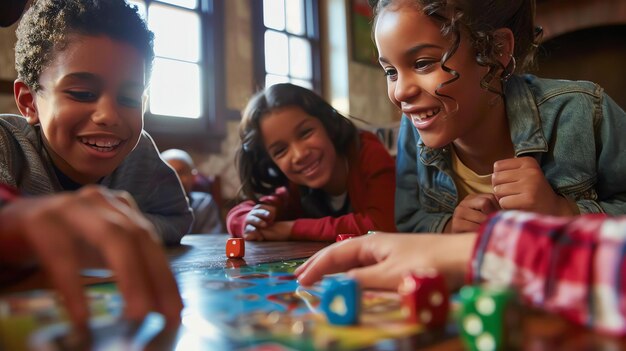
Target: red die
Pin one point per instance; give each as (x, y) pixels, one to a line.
(341, 237)
(425, 298)
(235, 248)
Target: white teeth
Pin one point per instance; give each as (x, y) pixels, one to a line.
(425, 114)
(101, 142)
(309, 168)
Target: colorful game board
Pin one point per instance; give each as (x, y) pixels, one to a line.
(243, 307)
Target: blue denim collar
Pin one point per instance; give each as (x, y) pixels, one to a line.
(524, 124)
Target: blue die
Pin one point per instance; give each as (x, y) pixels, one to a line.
(341, 300)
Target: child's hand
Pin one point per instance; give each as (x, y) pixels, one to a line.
(279, 231)
(58, 231)
(261, 216)
(381, 260)
(519, 183)
(472, 211)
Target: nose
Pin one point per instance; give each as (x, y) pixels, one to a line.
(405, 88)
(299, 152)
(106, 112)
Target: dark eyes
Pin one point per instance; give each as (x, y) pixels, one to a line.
(421, 65)
(390, 73)
(278, 152)
(306, 132)
(88, 96)
(129, 102)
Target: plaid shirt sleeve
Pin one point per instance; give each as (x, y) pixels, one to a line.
(572, 266)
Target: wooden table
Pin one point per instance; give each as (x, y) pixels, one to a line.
(209, 251)
(541, 332)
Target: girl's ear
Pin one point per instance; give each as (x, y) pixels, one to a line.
(505, 44)
(25, 100)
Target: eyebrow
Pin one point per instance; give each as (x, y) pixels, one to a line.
(412, 51)
(297, 127)
(90, 77)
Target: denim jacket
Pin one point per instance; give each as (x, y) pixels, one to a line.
(573, 129)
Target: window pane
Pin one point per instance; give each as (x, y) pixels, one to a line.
(300, 58)
(303, 83)
(175, 89)
(271, 79)
(190, 4)
(295, 16)
(176, 31)
(276, 53)
(274, 14)
(141, 8)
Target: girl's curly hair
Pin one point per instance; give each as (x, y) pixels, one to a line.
(257, 171)
(47, 25)
(479, 20)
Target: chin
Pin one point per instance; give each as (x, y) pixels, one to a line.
(435, 142)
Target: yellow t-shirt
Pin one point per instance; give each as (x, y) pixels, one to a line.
(467, 181)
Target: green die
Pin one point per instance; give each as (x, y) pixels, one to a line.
(488, 318)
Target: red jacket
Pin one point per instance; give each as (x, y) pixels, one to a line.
(371, 189)
(572, 266)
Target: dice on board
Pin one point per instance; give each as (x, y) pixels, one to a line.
(341, 300)
(235, 248)
(425, 298)
(341, 237)
(488, 318)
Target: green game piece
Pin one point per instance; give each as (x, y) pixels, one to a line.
(487, 318)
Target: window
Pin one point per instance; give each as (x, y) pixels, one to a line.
(287, 43)
(183, 98)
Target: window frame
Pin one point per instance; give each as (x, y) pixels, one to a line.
(206, 132)
(312, 35)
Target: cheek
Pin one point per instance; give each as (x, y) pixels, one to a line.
(390, 93)
(136, 121)
(282, 164)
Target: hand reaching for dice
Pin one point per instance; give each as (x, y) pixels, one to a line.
(381, 260)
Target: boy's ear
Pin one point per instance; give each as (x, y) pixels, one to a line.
(505, 44)
(25, 100)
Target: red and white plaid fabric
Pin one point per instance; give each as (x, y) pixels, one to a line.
(573, 266)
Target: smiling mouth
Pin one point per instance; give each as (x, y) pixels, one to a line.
(423, 116)
(101, 144)
(310, 168)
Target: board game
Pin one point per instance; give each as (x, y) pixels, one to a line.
(238, 307)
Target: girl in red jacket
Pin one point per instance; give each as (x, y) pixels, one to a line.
(307, 172)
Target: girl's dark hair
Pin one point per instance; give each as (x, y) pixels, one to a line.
(479, 20)
(46, 27)
(259, 175)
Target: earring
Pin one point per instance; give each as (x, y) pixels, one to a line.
(509, 70)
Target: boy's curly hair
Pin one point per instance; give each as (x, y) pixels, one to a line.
(46, 26)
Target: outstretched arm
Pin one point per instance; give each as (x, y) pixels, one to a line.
(381, 260)
(59, 232)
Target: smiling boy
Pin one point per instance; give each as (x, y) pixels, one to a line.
(82, 71)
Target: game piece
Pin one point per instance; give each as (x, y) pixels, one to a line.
(341, 300)
(341, 237)
(235, 248)
(488, 318)
(425, 298)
